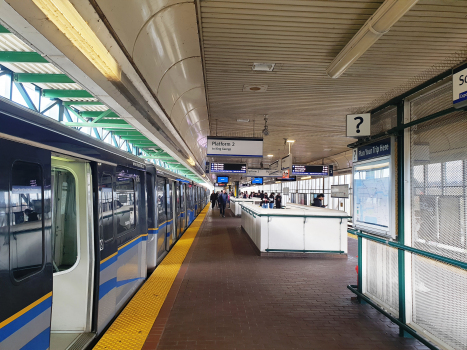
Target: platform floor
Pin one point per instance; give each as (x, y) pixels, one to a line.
(227, 297)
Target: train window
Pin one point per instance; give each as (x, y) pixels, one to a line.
(65, 230)
(150, 200)
(106, 211)
(124, 211)
(161, 215)
(26, 231)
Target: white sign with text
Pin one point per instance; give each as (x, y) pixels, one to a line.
(235, 147)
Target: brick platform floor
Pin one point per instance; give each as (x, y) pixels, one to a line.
(230, 298)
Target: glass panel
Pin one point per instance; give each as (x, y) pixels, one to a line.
(124, 211)
(161, 216)
(26, 231)
(106, 212)
(150, 200)
(65, 242)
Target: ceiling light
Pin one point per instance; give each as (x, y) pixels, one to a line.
(290, 141)
(270, 155)
(305, 178)
(69, 22)
(264, 67)
(191, 161)
(255, 88)
(327, 149)
(378, 25)
(243, 120)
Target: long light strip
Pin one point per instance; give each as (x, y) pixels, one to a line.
(69, 22)
(378, 25)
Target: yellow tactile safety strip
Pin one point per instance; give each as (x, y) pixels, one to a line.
(352, 236)
(131, 328)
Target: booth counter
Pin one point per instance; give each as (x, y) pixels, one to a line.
(296, 229)
(235, 204)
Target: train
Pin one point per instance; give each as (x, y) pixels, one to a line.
(82, 225)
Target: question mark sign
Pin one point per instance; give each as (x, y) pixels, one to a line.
(359, 123)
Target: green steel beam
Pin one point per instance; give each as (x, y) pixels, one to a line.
(135, 137)
(21, 57)
(77, 115)
(100, 125)
(102, 115)
(123, 133)
(41, 78)
(82, 103)
(3, 30)
(52, 93)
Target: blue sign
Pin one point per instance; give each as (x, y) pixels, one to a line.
(257, 180)
(222, 179)
(373, 150)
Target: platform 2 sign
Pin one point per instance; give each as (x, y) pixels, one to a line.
(459, 86)
(373, 150)
(235, 147)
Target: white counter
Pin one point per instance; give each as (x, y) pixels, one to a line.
(296, 229)
(235, 206)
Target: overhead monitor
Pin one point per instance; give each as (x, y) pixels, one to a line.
(314, 170)
(290, 178)
(228, 168)
(257, 181)
(222, 179)
(340, 191)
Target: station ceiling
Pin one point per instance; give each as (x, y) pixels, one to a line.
(302, 38)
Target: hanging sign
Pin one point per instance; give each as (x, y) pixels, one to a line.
(459, 86)
(358, 125)
(376, 149)
(235, 147)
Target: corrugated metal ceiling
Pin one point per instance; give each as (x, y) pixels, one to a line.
(302, 38)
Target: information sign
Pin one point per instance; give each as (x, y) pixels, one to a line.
(257, 181)
(234, 147)
(340, 191)
(459, 86)
(290, 178)
(222, 179)
(376, 149)
(358, 125)
(228, 168)
(314, 170)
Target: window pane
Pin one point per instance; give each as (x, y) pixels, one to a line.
(65, 244)
(454, 173)
(434, 174)
(106, 212)
(125, 204)
(26, 231)
(161, 217)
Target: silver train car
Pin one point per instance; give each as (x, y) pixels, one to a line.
(82, 224)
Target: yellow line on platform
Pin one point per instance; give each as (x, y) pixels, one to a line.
(132, 326)
(352, 236)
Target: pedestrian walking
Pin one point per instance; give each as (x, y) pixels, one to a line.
(213, 199)
(223, 198)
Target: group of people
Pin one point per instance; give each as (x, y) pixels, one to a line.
(266, 201)
(221, 199)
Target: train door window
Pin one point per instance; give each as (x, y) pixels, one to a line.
(106, 213)
(150, 200)
(65, 227)
(161, 201)
(125, 204)
(26, 231)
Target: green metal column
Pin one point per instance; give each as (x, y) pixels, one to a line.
(400, 215)
(360, 270)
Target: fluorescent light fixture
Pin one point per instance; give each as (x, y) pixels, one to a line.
(270, 155)
(69, 22)
(243, 120)
(290, 141)
(327, 149)
(263, 67)
(305, 178)
(378, 25)
(191, 161)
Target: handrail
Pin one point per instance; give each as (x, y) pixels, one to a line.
(296, 215)
(409, 330)
(399, 246)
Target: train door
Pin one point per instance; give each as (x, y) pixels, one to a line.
(162, 246)
(177, 211)
(169, 205)
(151, 244)
(25, 246)
(72, 251)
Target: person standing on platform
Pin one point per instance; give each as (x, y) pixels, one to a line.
(271, 200)
(318, 201)
(261, 195)
(213, 199)
(223, 198)
(278, 201)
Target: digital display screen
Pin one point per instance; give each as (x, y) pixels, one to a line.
(257, 180)
(291, 178)
(315, 170)
(228, 168)
(222, 179)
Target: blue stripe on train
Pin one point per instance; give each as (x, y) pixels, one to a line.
(106, 287)
(15, 325)
(41, 342)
